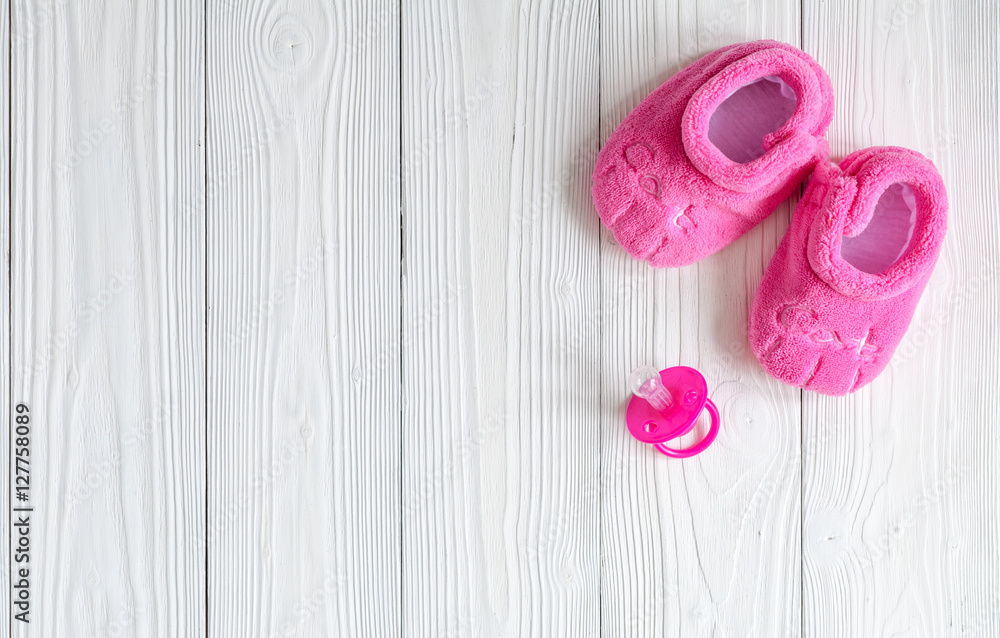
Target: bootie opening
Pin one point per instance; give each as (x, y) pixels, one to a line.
(887, 236)
(738, 126)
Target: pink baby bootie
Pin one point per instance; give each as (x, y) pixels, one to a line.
(713, 151)
(842, 287)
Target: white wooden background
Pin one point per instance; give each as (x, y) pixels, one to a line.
(322, 337)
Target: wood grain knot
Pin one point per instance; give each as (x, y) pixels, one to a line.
(290, 44)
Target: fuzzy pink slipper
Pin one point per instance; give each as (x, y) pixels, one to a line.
(842, 287)
(713, 151)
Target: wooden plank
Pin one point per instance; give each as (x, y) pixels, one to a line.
(501, 368)
(901, 517)
(708, 545)
(5, 334)
(108, 313)
(303, 282)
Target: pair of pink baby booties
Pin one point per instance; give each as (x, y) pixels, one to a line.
(715, 149)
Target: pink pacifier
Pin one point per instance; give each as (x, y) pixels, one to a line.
(666, 405)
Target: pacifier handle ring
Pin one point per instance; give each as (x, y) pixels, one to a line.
(702, 445)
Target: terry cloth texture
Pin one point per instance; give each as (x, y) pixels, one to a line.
(713, 151)
(841, 290)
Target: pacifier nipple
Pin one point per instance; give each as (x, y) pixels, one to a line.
(646, 383)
